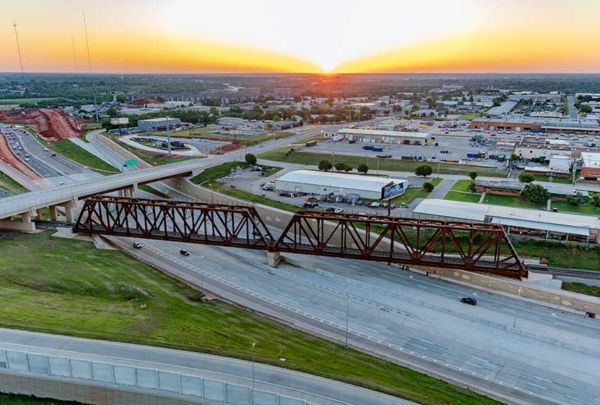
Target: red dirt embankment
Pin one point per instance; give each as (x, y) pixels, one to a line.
(52, 125)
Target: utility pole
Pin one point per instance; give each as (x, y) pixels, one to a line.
(18, 46)
(87, 43)
(168, 137)
(347, 321)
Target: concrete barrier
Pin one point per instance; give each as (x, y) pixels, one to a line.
(91, 382)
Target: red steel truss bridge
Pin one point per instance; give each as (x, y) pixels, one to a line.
(479, 247)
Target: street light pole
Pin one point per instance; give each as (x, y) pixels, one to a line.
(347, 320)
(253, 345)
(439, 161)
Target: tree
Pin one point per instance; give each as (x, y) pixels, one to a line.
(526, 178)
(325, 165)
(472, 187)
(160, 99)
(250, 159)
(473, 175)
(111, 112)
(535, 193)
(340, 166)
(595, 200)
(362, 168)
(428, 186)
(347, 168)
(513, 157)
(423, 170)
(575, 200)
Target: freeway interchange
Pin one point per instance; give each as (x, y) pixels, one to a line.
(512, 349)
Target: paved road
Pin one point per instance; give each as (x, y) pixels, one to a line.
(573, 113)
(286, 382)
(411, 319)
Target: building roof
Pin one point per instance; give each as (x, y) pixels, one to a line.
(590, 159)
(371, 132)
(339, 180)
(544, 122)
(523, 217)
(164, 119)
(452, 209)
(503, 108)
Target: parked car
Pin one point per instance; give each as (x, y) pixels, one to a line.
(329, 209)
(184, 252)
(468, 300)
(310, 205)
(137, 245)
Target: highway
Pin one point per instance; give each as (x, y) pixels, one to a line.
(573, 113)
(537, 355)
(286, 382)
(57, 169)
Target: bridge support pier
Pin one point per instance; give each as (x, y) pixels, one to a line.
(69, 207)
(53, 213)
(273, 258)
(24, 225)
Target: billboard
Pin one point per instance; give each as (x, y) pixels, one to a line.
(392, 190)
(119, 121)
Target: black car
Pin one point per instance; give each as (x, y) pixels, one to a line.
(184, 252)
(468, 300)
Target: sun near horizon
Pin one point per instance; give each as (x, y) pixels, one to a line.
(266, 36)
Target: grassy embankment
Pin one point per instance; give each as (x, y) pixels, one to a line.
(244, 140)
(9, 184)
(69, 287)
(309, 158)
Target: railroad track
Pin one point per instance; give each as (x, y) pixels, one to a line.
(557, 271)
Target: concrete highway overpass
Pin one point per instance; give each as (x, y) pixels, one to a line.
(28, 205)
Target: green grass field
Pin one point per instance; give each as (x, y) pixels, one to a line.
(556, 179)
(586, 209)
(413, 193)
(461, 185)
(23, 100)
(509, 201)
(462, 196)
(91, 126)
(309, 158)
(81, 156)
(68, 287)
(468, 116)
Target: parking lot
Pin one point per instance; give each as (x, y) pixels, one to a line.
(457, 149)
(251, 181)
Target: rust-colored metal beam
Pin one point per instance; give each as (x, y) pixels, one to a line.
(469, 246)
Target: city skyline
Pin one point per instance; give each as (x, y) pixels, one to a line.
(380, 36)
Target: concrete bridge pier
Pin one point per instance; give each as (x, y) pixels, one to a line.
(53, 213)
(273, 258)
(69, 210)
(23, 225)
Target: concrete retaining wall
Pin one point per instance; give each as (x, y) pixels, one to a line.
(104, 383)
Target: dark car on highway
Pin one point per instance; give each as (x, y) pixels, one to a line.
(468, 300)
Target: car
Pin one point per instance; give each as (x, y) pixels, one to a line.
(468, 300)
(53, 154)
(329, 209)
(310, 205)
(338, 210)
(184, 252)
(137, 245)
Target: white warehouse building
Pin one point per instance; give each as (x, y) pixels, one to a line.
(371, 135)
(347, 185)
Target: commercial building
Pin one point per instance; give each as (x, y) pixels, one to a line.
(339, 184)
(516, 221)
(369, 136)
(158, 124)
(546, 125)
(502, 109)
(591, 165)
(533, 148)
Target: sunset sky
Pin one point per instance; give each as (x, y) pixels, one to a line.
(312, 36)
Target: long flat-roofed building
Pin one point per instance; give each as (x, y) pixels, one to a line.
(370, 135)
(591, 165)
(326, 183)
(519, 221)
(547, 125)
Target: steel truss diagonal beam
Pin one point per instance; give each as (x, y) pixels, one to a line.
(479, 247)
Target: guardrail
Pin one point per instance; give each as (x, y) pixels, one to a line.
(557, 271)
(128, 377)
